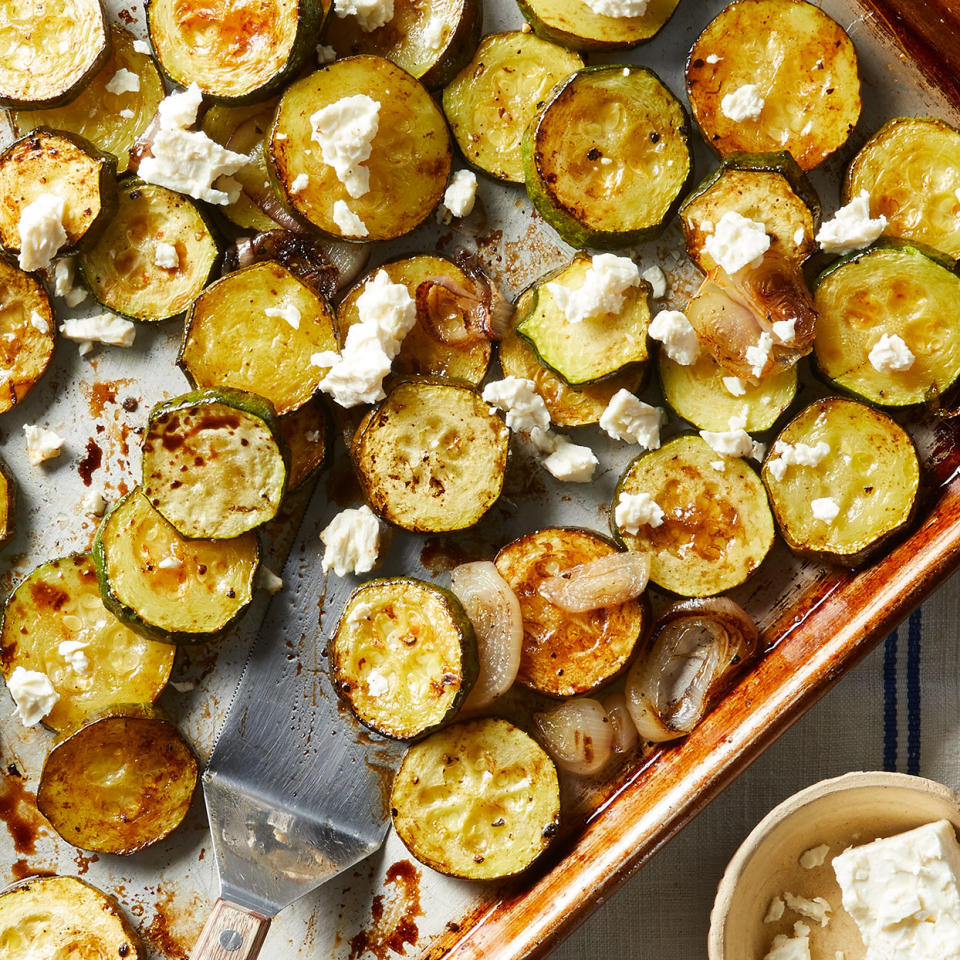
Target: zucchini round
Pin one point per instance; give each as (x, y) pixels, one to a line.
(119, 782)
(165, 587)
(431, 457)
(51, 162)
(803, 65)
(121, 268)
(51, 49)
(27, 336)
(234, 336)
(59, 603)
(8, 495)
(768, 188)
(893, 289)
(234, 50)
(717, 526)
(409, 161)
(403, 657)
(305, 434)
(564, 653)
(621, 114)
(575, 24)
(110, 121)
(478, 800)
(871, 474)
(64, 917)
(911, 169)
(422, 353)
(490, 102)
(212, 463)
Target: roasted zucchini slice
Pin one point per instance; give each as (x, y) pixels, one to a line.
(55, 623)
(478, 800)
(716, 526)
(408, 164)
(608, 156)
(119, 782)
(165, 587)
(431, 457)
(50, 50)
(430, 40)
(803, 67)
(235, 50)
(305, 434)
(403, 656)
(125, 270)
(575, 24)
(8, 493)
(425, 352)
(27, 334)
(860, 494)
(64, 917)
(768, 188)
(48, 161)
(911, 169)
(113, 109)
(894, 289)
(596, 348)
(492, 99)
(213, 463)
(698, 394)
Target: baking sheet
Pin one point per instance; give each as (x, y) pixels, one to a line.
(389, 903)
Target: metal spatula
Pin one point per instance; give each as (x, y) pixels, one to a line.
(293, 795)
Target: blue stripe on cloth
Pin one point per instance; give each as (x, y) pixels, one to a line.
(914, 633)
(890, 702)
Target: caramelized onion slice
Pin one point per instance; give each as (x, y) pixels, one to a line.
(625, 734)
(578, 735)
(604, 582)
(494, 611)
(695, 651)
(305, 257)
(449, 312)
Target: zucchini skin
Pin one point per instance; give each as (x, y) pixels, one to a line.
(8, 509)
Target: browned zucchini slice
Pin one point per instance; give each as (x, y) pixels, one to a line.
(567, 653)
(803, 66)
(55, 623)
(108, 112)
(64, 917)
(492, 99)
(408, 164)
(63, 164)
(423, 352)
(237, 335)
(860, 494)
(120, 781)
(911, 169)
(305, 433)
(7, 500)
(431, 457)
(716, 526)
(576, 24)
(478, 800)
(27, 334)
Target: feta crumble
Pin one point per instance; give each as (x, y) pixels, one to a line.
(618, 8)
(461, 193)
(142, 46)
(796, 947)
(370, 14)
(758, 356)
(799, 236)
(433, 35)
(345, 131)
(348, 221)
(300, 183)
(165, 256)
(39, 322)
(123, 81)
(627, 418)
(814, 857)
(786, 455)
(41, 231)
(524, 408)
(127, 113)
(101, 328)
(72, 653)
(745, 103)
(657, 280)
(737, 241)
(325, 54)
(785, 330)
(676, 333)
(42, 444)
(636, 510)
(825, 509)
(603, 289)
(352, 542)
(712, 58)
(734, 386)
(268, 580)
(63, 285)
(775, 910)
(571, 462)
(287, 312)
(95, 502)
(816, 909)
(735, 442)
(851, 227)
(890, 354)
(33, 694)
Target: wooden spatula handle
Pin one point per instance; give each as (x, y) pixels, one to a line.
(231, 933)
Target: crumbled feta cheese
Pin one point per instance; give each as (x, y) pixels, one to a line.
(39, 322)
(675, 332)
(377, 684)
(95, 502)
(268, 580)
(127, 113)
(734, 386)
(891, 355)
(712, 58)
(101, 328)
(518, 399)
(737, 241)
(745, 103)
(718, 465)
(759, 355)
(571, 462)
(188, 161)
(165, 256)
(825, 509)
(816, 909)
(314, 436)
(345, 131)
(182, 686)
(851, 226)
(603, 289)
(33, 694)
(636, 510)
(619, 8)
(72, 652)
(170, 563)
(787, 455)
(796, 947)
(325, 54)
(63, 283)
(288, 312)
(657, 280)
(370, 14)
(627, 418)
(706, 226)
(785, 330)
(775, 910)
(359, 612)
(433, 35)
(300, 183)
(461, 193)
(352, 541)
(41, 231)
(735, 442)
(123, 81)
(814, 857)
(42, 444)
(799, 236)
(348, 221)
(142, 46)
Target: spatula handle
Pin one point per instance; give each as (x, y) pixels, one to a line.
(231, 933)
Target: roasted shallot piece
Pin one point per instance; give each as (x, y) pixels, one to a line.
(694, 653)
(304, 256)
(578, 735)
(625, 734)
(604, 582)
